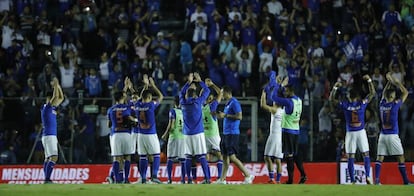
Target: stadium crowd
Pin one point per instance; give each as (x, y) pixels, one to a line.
(91, 46)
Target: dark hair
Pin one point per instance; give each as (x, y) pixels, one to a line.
(176, 100)
(227, 89)
(191, 92)
(389, 91)
(146, 94)
(118, 95)
(354, 93)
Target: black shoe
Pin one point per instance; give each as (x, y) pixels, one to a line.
(303, 179)
(205, 182)
(288, 182)
(48, 182)
(127, 182)
(169, 182)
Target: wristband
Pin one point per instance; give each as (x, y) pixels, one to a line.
(335, 88)
(369, 80)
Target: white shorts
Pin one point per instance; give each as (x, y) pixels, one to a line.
(273, 146)
(196, 144)
(134, 147)
(213, 143)
(120, 144)
(50, 144)
(148, 144)
(176, 148)
(356, 139)
(389, 144)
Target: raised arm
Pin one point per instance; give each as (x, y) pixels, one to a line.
(210, 83)
(57, 96)
(146, 84)
(394, 81)
(332, 95)
(371, 87)
(271, 109)
(159, 94)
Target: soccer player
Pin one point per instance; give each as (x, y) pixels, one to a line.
(290, 128)
(389, 143)
(176, 145)
(211, 128)
(120, 120)
(356, 137)
(193, 129)
(49, 133)
(148, 142)
(232, 115)
(273, 148)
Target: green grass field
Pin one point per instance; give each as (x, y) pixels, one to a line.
(197, 190)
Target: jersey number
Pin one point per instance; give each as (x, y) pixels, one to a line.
(119, 120)
(143, 124)
(386, 119)
(355, 119)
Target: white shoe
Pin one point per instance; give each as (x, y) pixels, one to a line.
(219, 181)
(249, 179)
(369, 181)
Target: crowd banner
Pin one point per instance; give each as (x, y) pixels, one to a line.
(318, 173)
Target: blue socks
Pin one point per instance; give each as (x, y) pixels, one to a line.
(377, 171)
(194, 172)
(188, 168)
(49, 169)
(278, 176)
(403, 172)
(271, 175)
(367, 166)
(219, 168)
(115, 170)
(183, 170)
(169, 168)
(143, 164)
(205, 167)
(155, 166)
(351, 170)
(127, 167)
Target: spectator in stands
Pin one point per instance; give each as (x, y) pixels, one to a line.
(161, 46)
(93, 84)
(170, 87)
(186, 56)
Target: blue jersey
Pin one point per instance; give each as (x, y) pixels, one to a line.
(48, 113)
(134, 111)
(118, 115)
(231, 126)
(389, 116)
(354, 114)
(146, 116)
(191, 107)
(213, 108)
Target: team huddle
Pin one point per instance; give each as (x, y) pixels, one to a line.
(193, 131)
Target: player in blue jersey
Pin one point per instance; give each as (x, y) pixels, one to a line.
(356, 137)
(232, 116)
(148, 142)
(290, 127)
(193, 130)
(49, 132)
(120, 122)
(176, 147)
(389, 143)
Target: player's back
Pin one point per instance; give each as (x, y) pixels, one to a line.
(276, 121)
(118, 115)
(192, 115)
(48, 115)
(146, 116)
(354, 114)
(389, 116)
